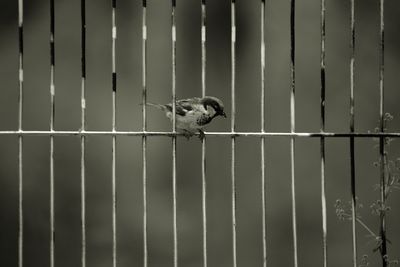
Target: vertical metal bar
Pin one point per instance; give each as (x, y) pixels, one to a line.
(173, 55)
(382, 148)
(144, 128)
(203, 140)
(114, 138)
(52, 115)
(20, 203)
(203, 47)
(20, 138)
(352, 160)
(292, 127)
(20, 61)
(262, 144)
(233, 128)
(322, 141)
(83, 127)
(173, 47)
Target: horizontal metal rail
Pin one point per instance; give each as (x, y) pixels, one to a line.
(217, 134)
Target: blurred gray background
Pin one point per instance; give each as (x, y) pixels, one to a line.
(129, 180)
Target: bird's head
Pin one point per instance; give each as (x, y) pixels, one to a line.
(215, 104)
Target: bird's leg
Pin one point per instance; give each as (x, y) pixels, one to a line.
(201, 134)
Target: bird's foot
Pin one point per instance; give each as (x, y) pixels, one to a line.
(202, 135)
(187, 134)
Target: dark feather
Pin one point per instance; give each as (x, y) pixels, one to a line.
(180, 108)
(185, 105)
(204, 119)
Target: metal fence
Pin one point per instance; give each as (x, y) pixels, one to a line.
(83, 133)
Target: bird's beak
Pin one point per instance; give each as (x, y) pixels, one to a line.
(223, 114)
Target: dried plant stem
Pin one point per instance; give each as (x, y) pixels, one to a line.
(367, 228)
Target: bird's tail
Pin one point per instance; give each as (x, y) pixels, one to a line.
(159, 106)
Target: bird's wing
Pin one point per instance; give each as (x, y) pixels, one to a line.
(179, 109)
(184, 106)
(193, 100)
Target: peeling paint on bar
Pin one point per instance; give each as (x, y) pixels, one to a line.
(114, 32)
(263, 55)
(233, 34)
(21, 75)
(20, 13)
(83, 103)
(144, 30)
(174, 33)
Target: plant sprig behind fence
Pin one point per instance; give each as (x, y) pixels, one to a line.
(379, 208)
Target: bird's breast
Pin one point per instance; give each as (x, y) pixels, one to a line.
(203, 119)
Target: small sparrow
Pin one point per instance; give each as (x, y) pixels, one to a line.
(193, 114)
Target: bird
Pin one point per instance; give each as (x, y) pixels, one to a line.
(193, 114)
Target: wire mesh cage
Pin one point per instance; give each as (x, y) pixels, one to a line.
(92, 176)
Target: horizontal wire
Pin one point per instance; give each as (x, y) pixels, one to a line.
(216, 134)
